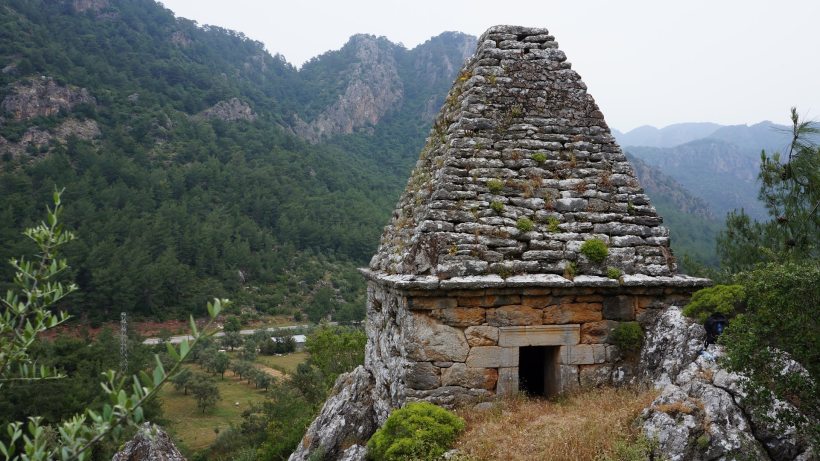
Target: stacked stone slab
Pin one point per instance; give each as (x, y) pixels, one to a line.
(519, 132)
(458, 285)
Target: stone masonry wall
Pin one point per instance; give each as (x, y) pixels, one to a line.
(455, 347)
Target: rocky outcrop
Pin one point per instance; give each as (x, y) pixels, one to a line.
(42, 97)
(346, 422)
(151, 443)
(700, 413)
(229, 111)
(373, 90)
(39, 140)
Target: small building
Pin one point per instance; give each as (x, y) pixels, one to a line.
(480, 286)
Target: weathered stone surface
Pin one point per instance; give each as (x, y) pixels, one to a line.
(572, 313)
(438, 342)
(507, 381)
(492, 357)
(354, 453)
(701, 413)
(427, 303)
(347, 417)
(590, 376)
(42, 97)
(545, 335)
(596, 332)
(481, 336)
(463, 316)
(422, 375)
(514, 315)
(468, 376)
(619, 308)
(582, 354)
(150, 443)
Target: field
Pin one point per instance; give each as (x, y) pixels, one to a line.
(195, 430)
(287, 363)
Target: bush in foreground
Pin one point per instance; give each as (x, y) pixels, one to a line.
(419, 431)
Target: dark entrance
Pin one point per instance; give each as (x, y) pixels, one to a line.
(538, 370)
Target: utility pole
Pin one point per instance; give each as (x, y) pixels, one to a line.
(123, 344)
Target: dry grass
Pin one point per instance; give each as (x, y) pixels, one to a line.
(196, 430)
(286, 363)
(592, 425)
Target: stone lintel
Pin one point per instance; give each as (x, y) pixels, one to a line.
(582, 354)
(539, 335)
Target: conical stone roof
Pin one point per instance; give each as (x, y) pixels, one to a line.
(519, 170)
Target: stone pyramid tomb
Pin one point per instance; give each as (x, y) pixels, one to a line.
(520, 170)
(521, 247)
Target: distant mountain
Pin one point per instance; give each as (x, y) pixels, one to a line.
(720, 168)
(669, 136)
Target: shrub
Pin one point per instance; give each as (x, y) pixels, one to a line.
(628, 336)
(419, 431)
(595, 250)
(725, 299)
(552, 224)
(497, 206)
(495, 186)
(539, 158)
(613, 273)
(524, 224)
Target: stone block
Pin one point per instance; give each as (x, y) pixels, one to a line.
(474, 378)
(507, 381)
(429, 303)
(513, 315)
(572, 313)
(619, 308)
(597, 332)
(568, 378)
(537, 302)
(590, 376)
(422, 376)
(481, 336)
(543, 335)
(436, 342)
(463, 316)
(488, 300)
(582, 354)
(492, 357)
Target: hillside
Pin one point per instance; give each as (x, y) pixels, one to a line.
(693, 222)
(179, 149)
(718, 164)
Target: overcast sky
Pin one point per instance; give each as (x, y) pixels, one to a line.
(650, 62)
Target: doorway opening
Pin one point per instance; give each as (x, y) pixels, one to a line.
(538, 370)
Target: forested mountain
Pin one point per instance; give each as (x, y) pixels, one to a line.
(179, 147)
(718, 164)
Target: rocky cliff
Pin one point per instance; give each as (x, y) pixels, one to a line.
(42, 97)
(701, 413)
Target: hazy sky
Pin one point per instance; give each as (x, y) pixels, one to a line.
(646, 62)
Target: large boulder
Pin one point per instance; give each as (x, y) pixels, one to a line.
(151, 443)
(346, 422)
(700, 413)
